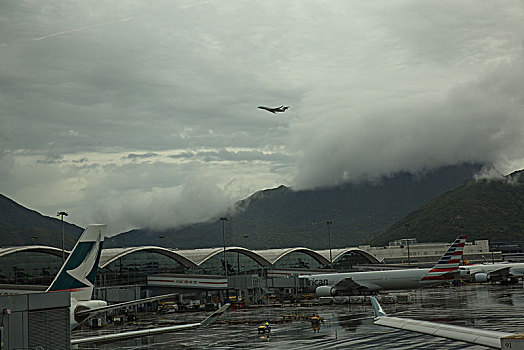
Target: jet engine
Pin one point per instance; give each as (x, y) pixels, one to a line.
(481, 277)
(325, 291)
(81, 305)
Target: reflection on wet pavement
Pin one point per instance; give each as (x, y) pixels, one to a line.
(350, 326)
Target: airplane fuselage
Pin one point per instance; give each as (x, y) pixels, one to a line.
(376, 280)
(275, 109)
(361, 282)
(515, 269)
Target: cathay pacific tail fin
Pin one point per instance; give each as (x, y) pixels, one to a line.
(78, 273)
(449, 263)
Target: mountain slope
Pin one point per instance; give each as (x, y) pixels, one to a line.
(282, 217)
(484, 209)
(18, 226)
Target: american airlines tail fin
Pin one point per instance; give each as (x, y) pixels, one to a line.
(449, 263)
(78, 273)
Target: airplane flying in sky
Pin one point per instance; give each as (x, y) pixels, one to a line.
(492, 339)
(274, 109)
(351, 283)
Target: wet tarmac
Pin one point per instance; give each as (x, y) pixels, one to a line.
(347, 326)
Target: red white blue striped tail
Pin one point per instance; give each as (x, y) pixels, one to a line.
(449, 263)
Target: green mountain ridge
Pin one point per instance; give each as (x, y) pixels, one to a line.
(435, 207)
(18, 226)
(283, 217)
(483, 209)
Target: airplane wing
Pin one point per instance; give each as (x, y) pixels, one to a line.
(473, 269)
(345, 286)
(151, 331)
(122, 305)
(505, 271)
(349, 284)
(477, 336)
(269, 109)
(484, 273)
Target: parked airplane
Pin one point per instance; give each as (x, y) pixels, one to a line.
(493, 272)
(275, 109)
(493, 339)
(151, 331)
(333, 284)
(78, 275)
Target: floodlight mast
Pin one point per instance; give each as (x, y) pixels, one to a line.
(62, 214)
(224, 219)
(329, 242)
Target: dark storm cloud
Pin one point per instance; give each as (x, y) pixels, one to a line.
(81, 160)
(226, 155)
(52, 158)
(141, 155)
(481, 121)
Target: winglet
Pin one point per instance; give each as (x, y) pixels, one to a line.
(379, 312)
(215, 315)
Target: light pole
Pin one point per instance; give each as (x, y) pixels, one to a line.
(329, 241)
(224, 242)
(34, 238)
(238, 254)
(224, 219)
(407, 242)
(62, 214)
(490, 245)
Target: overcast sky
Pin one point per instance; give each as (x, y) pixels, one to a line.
(144, 113)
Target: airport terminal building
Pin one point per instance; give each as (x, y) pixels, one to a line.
(134, 272)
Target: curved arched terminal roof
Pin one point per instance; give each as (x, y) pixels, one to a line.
(33, 248)
(273, 255)
(339, 252)
(198, 256)
(111, 254)
(30, 265)
(194, 257)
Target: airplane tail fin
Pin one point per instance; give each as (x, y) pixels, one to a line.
(449, 263)
(78, 273)
(377, 308)
(215, 315)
